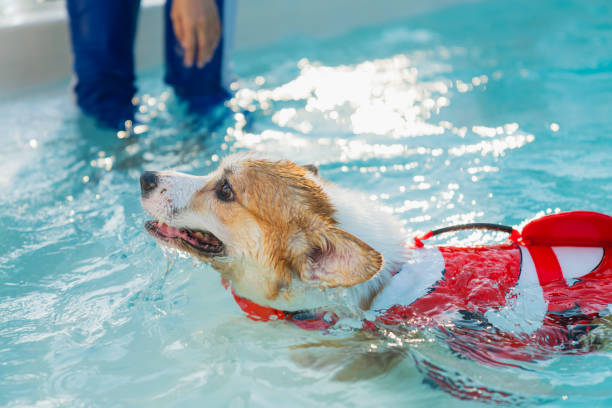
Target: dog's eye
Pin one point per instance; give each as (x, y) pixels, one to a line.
(225, 192)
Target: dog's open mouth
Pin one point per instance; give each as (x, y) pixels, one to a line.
(202, 241)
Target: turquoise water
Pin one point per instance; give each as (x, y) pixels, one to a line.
(494, 112)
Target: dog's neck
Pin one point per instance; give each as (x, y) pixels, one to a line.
(361, 217)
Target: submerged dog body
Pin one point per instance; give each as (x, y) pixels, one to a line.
(288, 240)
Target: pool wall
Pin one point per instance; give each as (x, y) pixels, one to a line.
(35, 49)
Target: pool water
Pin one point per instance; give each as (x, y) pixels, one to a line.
(496, 111)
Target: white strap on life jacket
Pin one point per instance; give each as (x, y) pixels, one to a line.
(526, 305)
(577, 262)
(424, 268)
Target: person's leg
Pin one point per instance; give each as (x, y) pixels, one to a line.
(203, 87)
(102, 33)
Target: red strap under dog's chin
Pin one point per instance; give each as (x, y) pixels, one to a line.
(317, 321)
(257, 312)
(253, 310)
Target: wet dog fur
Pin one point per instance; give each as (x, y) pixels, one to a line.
(283, 236)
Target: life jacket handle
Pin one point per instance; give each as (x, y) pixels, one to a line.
(514, 234)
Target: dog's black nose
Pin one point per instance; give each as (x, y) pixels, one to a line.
(148, 181)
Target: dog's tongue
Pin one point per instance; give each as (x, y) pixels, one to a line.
(195, 238)
(169, 232)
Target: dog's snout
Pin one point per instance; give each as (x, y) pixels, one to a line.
(148, 182)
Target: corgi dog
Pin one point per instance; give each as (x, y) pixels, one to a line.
(294, 246)
(284, 237)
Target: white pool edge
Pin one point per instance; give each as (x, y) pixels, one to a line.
(35, 49)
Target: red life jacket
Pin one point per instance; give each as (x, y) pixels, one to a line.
(568, 254)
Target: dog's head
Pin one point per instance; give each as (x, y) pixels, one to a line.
(267, 226)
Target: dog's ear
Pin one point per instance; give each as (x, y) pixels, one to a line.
(312, 168)
(341, 259)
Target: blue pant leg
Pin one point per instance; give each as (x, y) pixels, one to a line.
(102, 33)
(202, 87)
